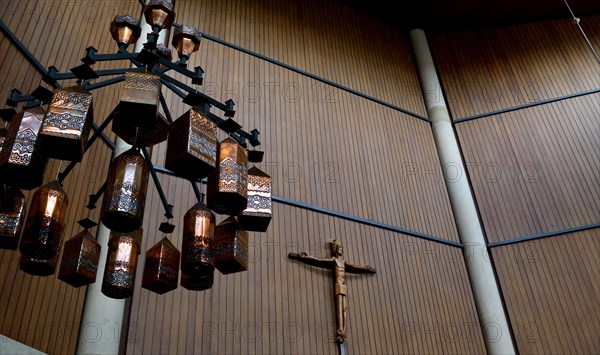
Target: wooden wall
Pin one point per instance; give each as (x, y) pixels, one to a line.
(323, 146)
(534, 170)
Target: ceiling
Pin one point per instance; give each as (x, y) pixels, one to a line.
(448, 15)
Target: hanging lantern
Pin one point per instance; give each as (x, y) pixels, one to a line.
(125, 197)
(228, 184)
(198, 237)
(186, 39)
(231, 247)
(139, 99)
(21, 162)
(45, 222)
(121, 264)
(67, 124)
(257, 215)
(125, 30)
(161, 271)
(37, 267)
(80, 258)
(12, 218)
(197, 282)
(159, 13)
(3, 135)
(192, 146)
(146, 137)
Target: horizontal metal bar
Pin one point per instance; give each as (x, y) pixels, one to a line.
(544, 235)
(533, 104)
(365, 221)
(315, 77)
(103, 83)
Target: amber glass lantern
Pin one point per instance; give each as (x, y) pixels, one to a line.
(37, 267)
(121, 264)
(125, 30)
(125, 196)
(231, 247)
(45, 222)
(21, 162)
(228, 184)
(192, 146)
(198, 282)
(186, 39)
(140, 98)
(257, 215)
(159, 13)
(12, 218)
(146, 137)
(161, 271)
(67, 124)
(80, 258)
(198, 238)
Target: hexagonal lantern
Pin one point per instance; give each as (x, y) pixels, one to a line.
(125, 196)
(121, 264)
(192, 145)
(67, 124)
(37, 267)
(198, 238)
(227, 191)
(12, 218)
(257, 215)
(231, 247)
(45, 222)
(197, 282)
(140, 97)
(146, 137)
(125, 30)
(21, 162)
(79, 262)
(161, 271)
(186, 39)
(159, 13)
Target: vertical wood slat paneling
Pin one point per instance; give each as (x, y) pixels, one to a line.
(493, 69)
(551, 291)
(43, 312)
(535, 171)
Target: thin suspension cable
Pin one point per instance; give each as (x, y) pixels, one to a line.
(577, 22)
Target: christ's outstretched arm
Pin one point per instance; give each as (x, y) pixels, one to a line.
(311, 260)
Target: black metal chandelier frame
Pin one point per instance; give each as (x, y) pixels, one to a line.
(146, 59)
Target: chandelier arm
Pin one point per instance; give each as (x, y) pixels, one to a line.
(92, 57)
(199, 195)
(95, 197)
(165, 107)
(203, 97)
(101, 84)
(194, 75)
(103, 136)
(90, 142)
(173, 88)
(168, 207)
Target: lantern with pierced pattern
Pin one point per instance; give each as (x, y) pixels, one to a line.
(231, 247)
(161, 271)
(12, 218)
(186, 39)
(192, 146)
(121, 264)
(125, 30)
(80, 258)
(139, 99)
(21, 162)
(67, 124)
(37, 267)
(257, 215)
(159, 13)
(227, 189)
(197, 282)
(125, 197)
(146, 137)
(198, 238)
(45, 222)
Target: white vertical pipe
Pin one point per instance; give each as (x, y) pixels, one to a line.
(492, 316)
(102, 320)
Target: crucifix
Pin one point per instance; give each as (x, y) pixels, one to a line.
(339, 266)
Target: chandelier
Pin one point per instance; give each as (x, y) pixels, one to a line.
(59, 124)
